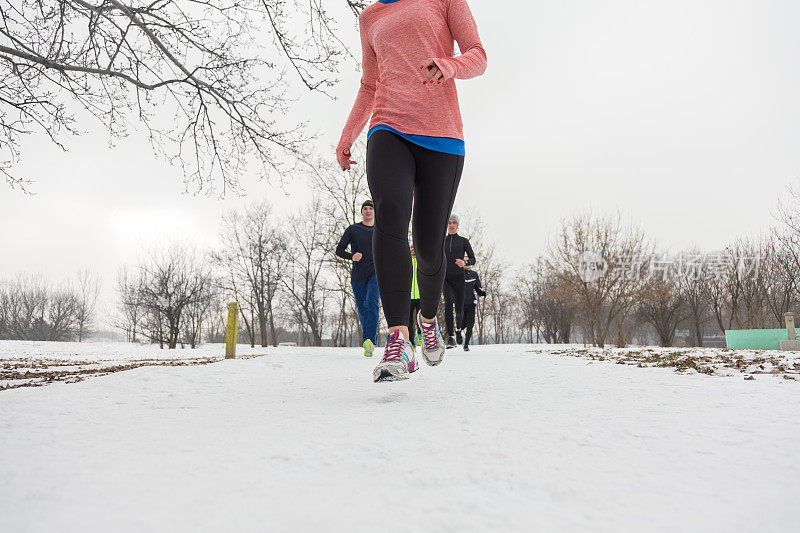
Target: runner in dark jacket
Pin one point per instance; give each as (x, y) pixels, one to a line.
(473, 290)
(456, 248)
(362, 277)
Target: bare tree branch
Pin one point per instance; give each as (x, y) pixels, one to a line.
(196, 74)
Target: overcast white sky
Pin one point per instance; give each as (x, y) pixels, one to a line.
(684, 114)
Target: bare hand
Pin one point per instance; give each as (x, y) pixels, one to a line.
(460, 263)
(343, 158)
(357, 256)
(434, 75)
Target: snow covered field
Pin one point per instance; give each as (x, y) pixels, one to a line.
(31, 363)
(501, 438)
(108, 351)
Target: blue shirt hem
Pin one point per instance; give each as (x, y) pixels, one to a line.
(447, 145)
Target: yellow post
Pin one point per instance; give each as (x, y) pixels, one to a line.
(233, 330)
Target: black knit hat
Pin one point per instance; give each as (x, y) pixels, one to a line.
(367, 203)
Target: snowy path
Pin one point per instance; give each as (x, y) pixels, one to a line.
(497, 439)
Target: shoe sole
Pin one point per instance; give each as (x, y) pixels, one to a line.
(392, 372)
(385, 375)
(389, 373)
(430, 362)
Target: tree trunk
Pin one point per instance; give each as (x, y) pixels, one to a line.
(698, 332)
(262, 325)
(272, 327)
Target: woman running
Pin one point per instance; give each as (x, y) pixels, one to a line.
(415, 153)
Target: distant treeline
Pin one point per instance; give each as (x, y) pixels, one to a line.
(32, 308)
(600, 280)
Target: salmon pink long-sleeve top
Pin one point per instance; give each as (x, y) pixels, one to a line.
(397, 37)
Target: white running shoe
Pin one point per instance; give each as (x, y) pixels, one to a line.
(398, 359)
(432, 346)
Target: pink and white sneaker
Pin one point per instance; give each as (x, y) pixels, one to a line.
(398, 359)
(432, 343)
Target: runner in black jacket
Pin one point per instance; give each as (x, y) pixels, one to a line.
(473, 284)
(456, 248)
(363, 280)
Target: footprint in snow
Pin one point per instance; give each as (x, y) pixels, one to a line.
(394, 397)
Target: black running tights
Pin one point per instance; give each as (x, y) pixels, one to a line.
(454, 287)
(400, 173)
(469, 321)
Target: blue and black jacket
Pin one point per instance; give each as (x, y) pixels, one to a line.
(359, 238)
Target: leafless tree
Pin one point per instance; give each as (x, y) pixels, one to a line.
(626, 295)
(779, 279)
(131, 306)
(753, 307)
(662, 305)
(307, 250)
(501, 306)
(197, 313)
(622, 251)
(217, 319)
(253, 256)
(22, 302)
(527, 286)
(60, 321)
(237, 289)
(490, 268)
(247, 312)
(690, 278)
(342, 194)
(5, 310)
(556, 308)
(787, 240)
(31, 309)
(495, 311)
(172, 280)
(198, 75)
(88, 286)
(722, 286)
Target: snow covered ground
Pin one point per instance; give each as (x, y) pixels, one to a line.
(97, 351)
(501, 438)
(32, 363)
